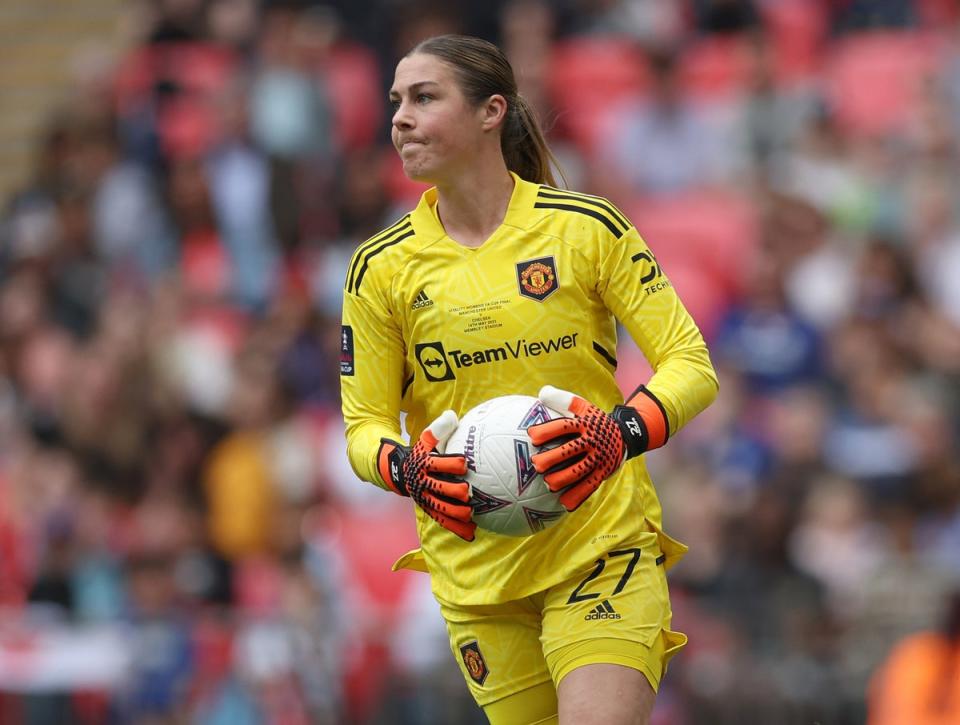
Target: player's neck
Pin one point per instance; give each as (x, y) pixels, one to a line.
(472, 208)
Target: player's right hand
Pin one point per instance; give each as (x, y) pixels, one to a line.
(429, 477)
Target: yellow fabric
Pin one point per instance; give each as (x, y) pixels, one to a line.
(240, 495)
(536, 705)
(434, 325)
(619, 615)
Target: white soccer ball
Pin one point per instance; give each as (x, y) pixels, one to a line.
(508, 495)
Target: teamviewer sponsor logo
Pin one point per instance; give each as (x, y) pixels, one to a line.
(439, 365)
(433, 361)
(513, 350)
(604, 610)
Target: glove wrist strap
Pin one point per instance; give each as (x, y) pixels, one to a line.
(633, 429)
(390, 458)
(654, 416)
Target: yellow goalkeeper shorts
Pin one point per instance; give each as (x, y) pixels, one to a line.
(617, 611)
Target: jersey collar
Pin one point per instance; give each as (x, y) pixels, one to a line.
(427, 222)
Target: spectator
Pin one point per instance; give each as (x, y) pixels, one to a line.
(663, 143)
(920, 680)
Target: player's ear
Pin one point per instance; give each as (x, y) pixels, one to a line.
(493, 112)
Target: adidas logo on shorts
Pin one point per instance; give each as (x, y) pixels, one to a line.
(604, 610)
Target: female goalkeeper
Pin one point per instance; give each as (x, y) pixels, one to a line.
(499, 283)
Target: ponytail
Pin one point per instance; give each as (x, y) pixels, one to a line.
(524, 148)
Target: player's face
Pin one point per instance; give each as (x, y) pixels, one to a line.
(435, 129)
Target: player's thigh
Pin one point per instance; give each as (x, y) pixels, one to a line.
(605, 694)
(616, 612)
(498, 650)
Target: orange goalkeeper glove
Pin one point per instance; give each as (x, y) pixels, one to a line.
(430, 478)
(588, 447)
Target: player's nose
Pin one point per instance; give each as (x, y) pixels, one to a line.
(402, 118)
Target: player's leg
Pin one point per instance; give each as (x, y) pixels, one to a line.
(605, 694)
(606, 635)
(536, 705)
(500, 656)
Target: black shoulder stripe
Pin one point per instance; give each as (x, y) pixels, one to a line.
(604, 354)
(551, 193)
(605, 220)
(374, 252)
(373, 241)
(401, 223)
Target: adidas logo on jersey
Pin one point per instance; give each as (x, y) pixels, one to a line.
(604, 610)
(421, 301)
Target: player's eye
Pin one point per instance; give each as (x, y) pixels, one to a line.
(423, 98)
(394, 104)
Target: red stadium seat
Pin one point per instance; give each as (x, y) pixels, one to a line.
(703, 241)
(716, 68)
(588, 75)
(797, 30)
(937, 14)
(368, 565)
(874, 79)
(399, 187)
(194, 74)
(353, 81)
(257, 583)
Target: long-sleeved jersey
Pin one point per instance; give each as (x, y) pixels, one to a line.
(430, 325)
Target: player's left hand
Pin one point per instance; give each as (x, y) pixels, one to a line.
(587, 447)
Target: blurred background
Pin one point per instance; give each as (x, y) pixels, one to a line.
(182, 183)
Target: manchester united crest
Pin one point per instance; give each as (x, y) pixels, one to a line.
(473, 661)
(537, 278)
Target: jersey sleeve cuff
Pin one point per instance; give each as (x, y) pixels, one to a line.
(654, 416)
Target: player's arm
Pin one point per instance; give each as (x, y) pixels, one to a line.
(638, 292)
(371, 371)
(590, 444)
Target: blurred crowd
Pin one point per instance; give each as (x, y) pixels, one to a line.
(181, 537)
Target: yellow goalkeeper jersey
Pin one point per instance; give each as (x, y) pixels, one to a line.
(430, 325)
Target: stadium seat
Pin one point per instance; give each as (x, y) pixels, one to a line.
(937, 14)
(400, 189)
(715, 68)
(182, 79)
(353, 81)
(368, 566)
(797, 30)
(873, 79)
(702, 240)
(587, 75)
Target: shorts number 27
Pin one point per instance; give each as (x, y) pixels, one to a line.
(576, 596)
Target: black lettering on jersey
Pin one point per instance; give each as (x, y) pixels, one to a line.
(438, 364)
(654, 271)
(512, 350)
(433, 361)
(346, 350)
